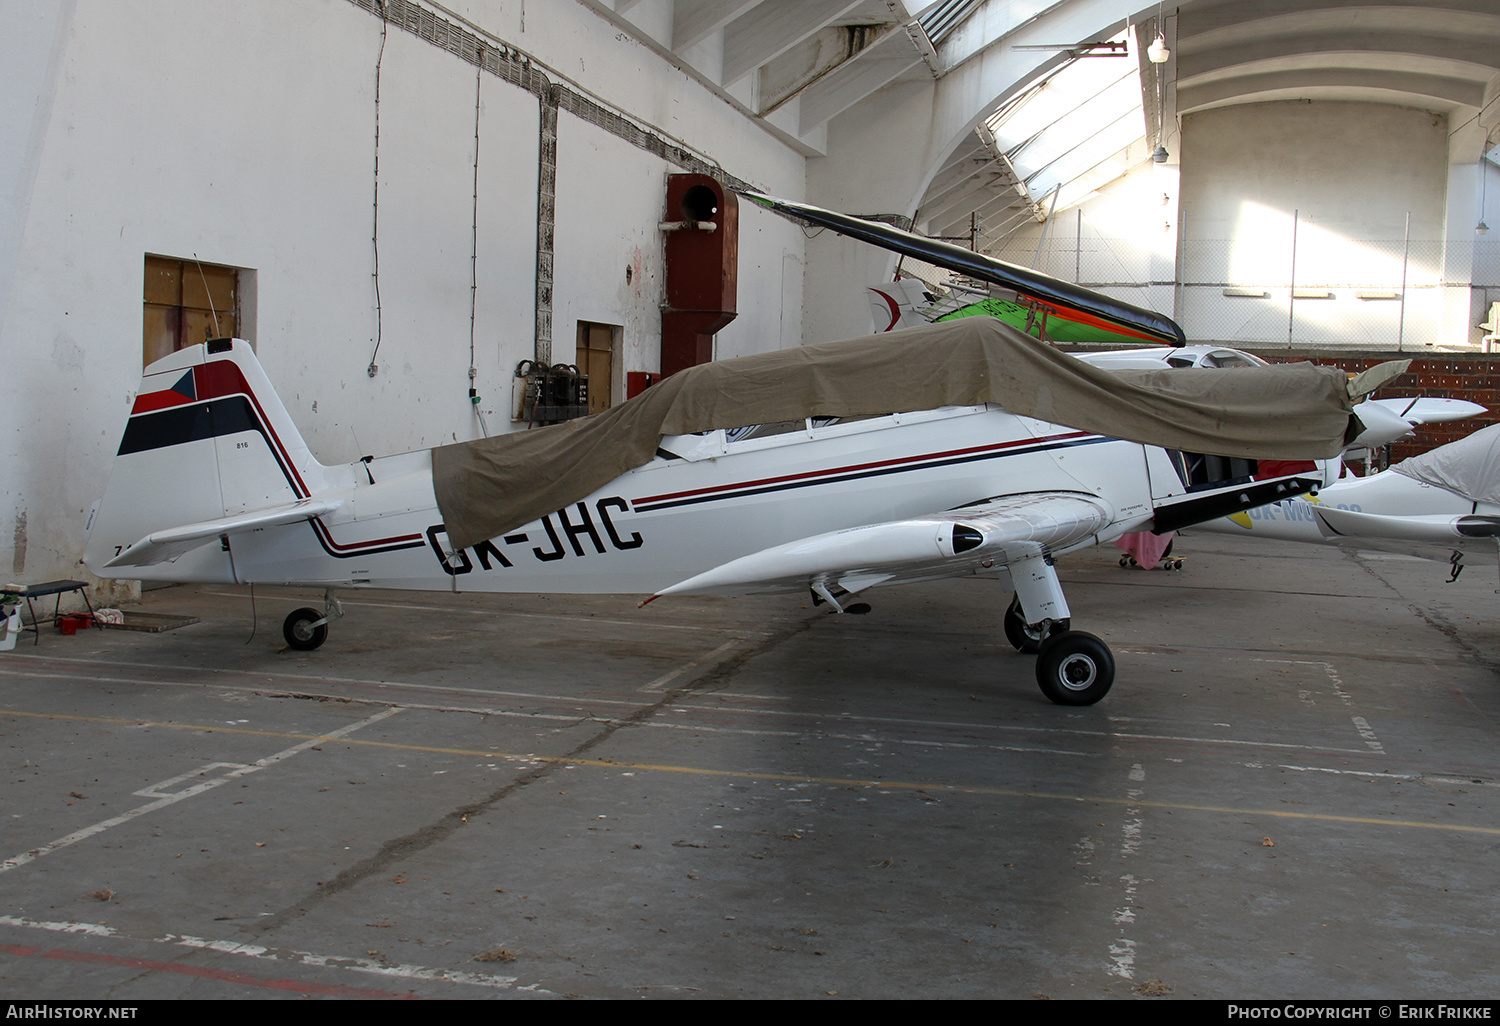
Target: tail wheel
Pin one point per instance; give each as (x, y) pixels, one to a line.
(303, 629)
(1075, 668)
(1024, 636)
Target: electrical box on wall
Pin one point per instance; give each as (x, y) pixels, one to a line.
(637, 382)
(702, 268)
(548, 395)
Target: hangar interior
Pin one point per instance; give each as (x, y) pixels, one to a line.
(439, 193)
(407, 207)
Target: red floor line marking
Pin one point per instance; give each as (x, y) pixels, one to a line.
(222, 975)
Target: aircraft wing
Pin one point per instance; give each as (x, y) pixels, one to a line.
(960, 541)
(1425, 410)
(1448, 531)
(161, 546)
(1064, 296)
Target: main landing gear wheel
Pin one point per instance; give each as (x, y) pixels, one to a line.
(1022, 635)
(305, 629)
(1075, 668)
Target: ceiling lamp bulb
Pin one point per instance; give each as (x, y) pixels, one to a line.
(1160, 155)
(1481, 228)
(1157, 52)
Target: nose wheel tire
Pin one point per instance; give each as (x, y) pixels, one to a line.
(1023, 636)
(1075, 668)
(300, 632)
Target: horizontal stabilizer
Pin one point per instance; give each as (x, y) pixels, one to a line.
(1346, 524)
(161, 546)
(948, 544)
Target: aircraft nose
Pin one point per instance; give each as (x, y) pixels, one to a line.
(1380, 426)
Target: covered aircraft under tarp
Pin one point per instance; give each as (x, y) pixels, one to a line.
(490, 486)
(1469, 467)
(1442, 505)
(1059, 310)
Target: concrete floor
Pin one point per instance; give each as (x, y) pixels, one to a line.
(1290, 793)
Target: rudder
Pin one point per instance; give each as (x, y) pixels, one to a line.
(207, 438)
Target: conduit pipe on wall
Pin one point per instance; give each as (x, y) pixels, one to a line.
(469, 42)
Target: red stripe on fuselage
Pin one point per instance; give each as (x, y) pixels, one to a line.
(856, 468)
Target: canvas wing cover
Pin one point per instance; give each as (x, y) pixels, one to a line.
(1293, 412)
(1469, 467)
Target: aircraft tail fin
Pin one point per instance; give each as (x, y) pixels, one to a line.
(899, 304)
(208, 440)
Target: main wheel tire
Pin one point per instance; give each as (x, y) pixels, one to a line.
(1075, 668)
(1022, 635)
(299, 631)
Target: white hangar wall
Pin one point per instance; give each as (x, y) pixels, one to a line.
(1219, 218)
(1349, 173)
(1210, 240)
(243, 131)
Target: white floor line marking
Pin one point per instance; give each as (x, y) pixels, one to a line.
(271, 681)
(1464, 781)
(1122, 950)
(280, 682)
(1361, 725)
(667, 678)
(282, 955)
(188, 792)
(1365, 731)
(832, 736)
(160, 790)
(1363, 773)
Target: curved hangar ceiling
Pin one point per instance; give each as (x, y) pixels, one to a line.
(1059, 135)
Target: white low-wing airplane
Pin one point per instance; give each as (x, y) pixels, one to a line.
(1443, 504)
(831, 488)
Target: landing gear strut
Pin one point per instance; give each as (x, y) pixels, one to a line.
(1072, 667)
(1026, 637)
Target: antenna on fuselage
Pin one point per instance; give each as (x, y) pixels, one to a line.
(210, 295)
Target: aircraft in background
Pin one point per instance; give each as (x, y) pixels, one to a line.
(1443, 505)
(213, 483)
(1038, 304)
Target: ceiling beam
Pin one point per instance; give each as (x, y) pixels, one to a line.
(861, 75)
(770, 30)
(1222, 92)
(693, 21)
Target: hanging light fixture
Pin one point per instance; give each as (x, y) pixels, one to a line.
(1157, 52)
(1481, 228)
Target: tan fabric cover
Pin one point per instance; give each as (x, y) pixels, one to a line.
(488, 487)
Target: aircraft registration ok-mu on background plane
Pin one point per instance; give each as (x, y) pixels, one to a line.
(831, 468)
